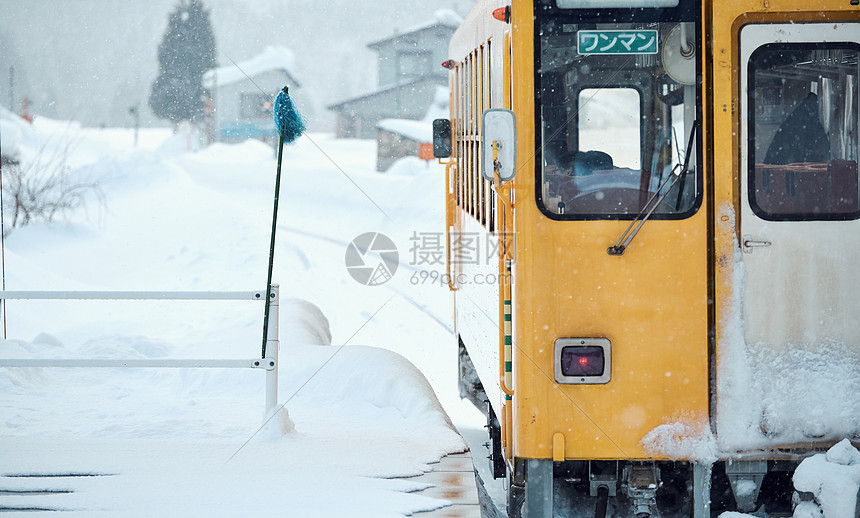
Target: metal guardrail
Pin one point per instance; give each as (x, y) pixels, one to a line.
(132, 295)
(269, 363)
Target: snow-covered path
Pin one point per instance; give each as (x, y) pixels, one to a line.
(175, 442)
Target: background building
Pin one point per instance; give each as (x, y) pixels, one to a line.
(410, 70)
(243, 95)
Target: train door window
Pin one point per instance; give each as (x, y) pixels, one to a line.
(803, 136)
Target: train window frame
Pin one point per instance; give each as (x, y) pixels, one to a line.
(752, 177)
(548, 13)
(685, 10)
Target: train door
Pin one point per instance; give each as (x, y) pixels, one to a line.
(799, 210)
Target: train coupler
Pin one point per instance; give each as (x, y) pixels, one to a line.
(642, 482)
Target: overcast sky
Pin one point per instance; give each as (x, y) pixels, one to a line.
(90, 60)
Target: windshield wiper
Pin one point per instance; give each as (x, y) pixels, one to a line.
(678, 172)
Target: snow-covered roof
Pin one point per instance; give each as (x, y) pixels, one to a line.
(419, 131)
(272, 58)
(447, 17)
(388, 88)
(442, 17)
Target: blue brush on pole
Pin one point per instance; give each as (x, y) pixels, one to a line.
(290, 126)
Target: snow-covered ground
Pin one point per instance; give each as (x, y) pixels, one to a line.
(363, 368)
(368, 373)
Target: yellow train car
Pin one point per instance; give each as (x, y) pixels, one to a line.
(654, 215)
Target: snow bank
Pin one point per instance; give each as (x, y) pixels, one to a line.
(18, 138)
(382, 378)
(833, 479)
(303, 323)
(408, 166)
(10, 133)
(187, 139)
(182, 442)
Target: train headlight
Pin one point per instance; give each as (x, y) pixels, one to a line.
(583, 360)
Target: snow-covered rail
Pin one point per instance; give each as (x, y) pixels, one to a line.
(269, 363)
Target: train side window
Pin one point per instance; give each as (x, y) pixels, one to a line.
(803, 135)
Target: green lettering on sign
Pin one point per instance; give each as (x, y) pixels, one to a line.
(617, 42)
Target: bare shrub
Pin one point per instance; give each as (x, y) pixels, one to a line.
(43, 189)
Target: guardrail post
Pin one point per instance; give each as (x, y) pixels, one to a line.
(272, 350)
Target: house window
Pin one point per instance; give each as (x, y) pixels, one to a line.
(255, 105)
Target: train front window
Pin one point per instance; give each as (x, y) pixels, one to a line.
(803, 136)
(617, 104)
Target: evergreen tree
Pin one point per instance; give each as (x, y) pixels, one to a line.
(185, 54)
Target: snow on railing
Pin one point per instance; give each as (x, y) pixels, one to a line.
(269, 363)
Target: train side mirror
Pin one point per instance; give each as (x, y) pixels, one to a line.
(441, 138)
(499, 144)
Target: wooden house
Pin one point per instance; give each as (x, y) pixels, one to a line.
(243, 95)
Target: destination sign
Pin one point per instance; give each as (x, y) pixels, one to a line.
(642, 41)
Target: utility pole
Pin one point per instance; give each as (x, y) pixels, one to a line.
(135, 112)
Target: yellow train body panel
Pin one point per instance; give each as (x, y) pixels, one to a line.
(653, 312)
(651, 303)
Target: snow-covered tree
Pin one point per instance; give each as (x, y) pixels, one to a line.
(185, 53)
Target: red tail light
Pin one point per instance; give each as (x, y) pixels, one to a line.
(582, 361)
